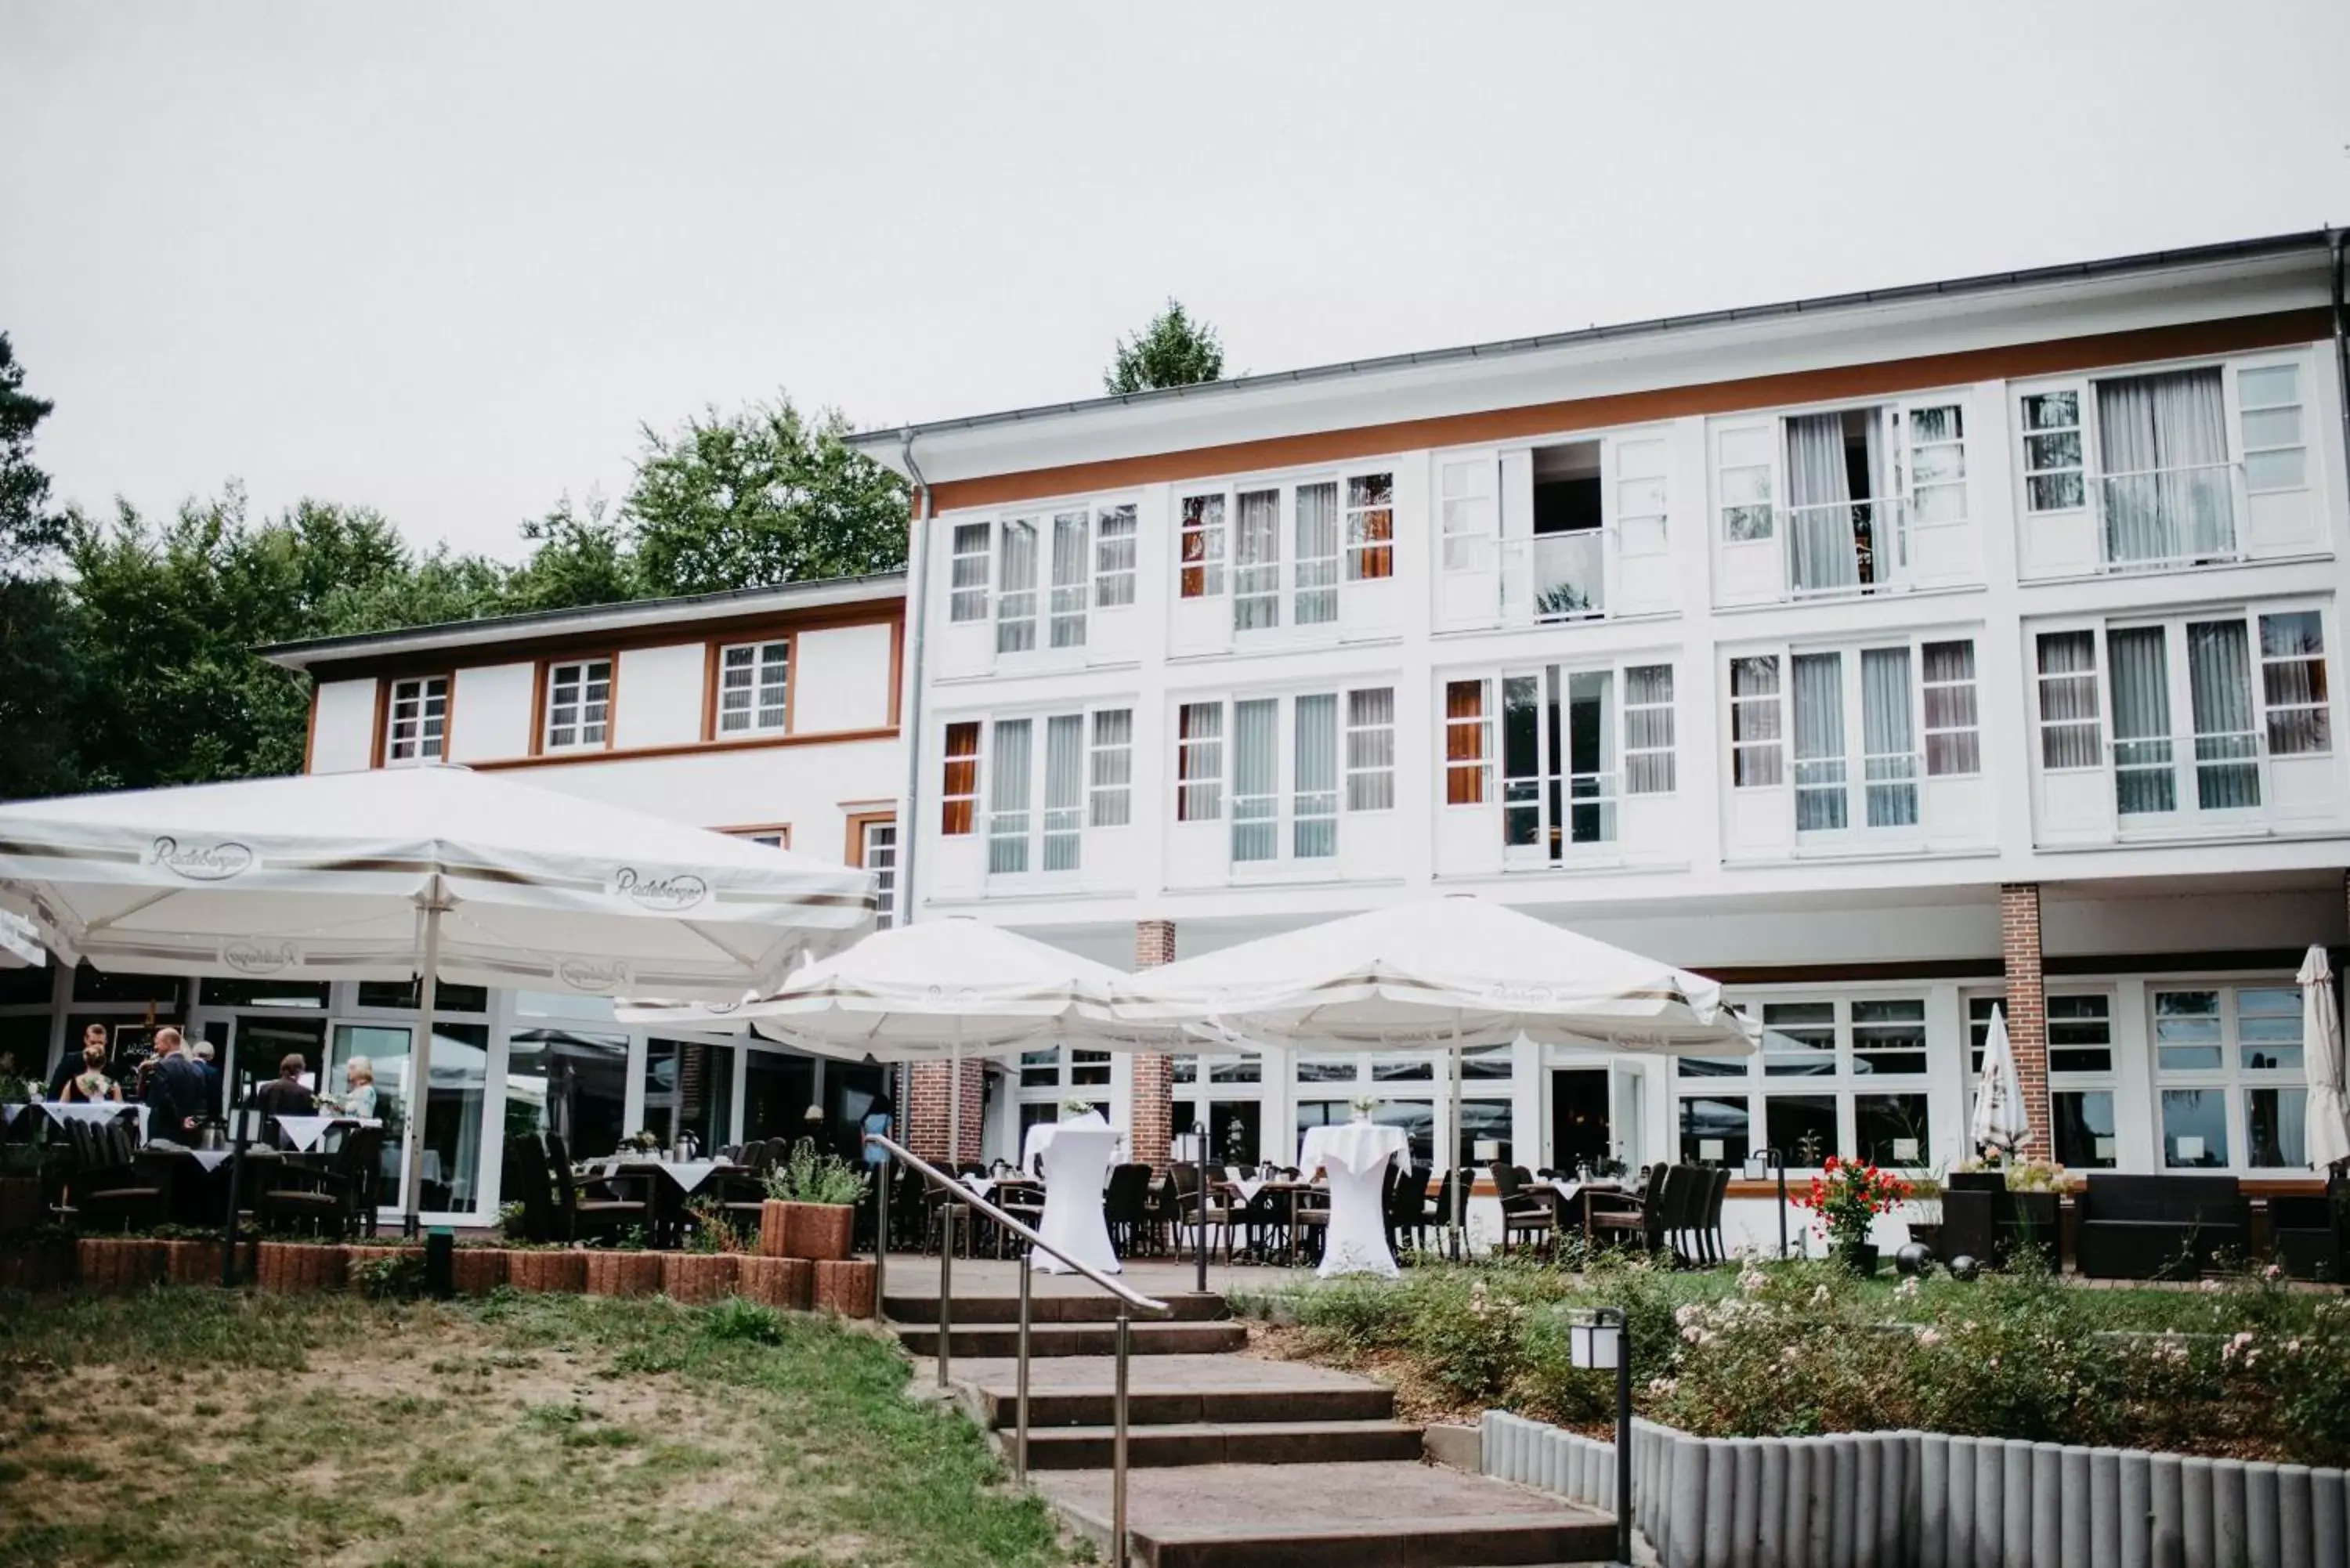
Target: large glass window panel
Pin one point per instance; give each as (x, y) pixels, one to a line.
(1803, 1128)
(690, 1088)
(1071, 572)
(1715, 1130)
(1888, 1035)
(2268, 1029)
(1326, 1066)
(777, 1091)
(1799, 1039)
(1256, 562)
(2292, 683)
(1256, 772)
(1016, 601)
(1041, 1069)
(1065, 790)
(1317, 566)
(1402, 1070)
(2227, 740)
(1589, 725)
(1755, 733)
(2187, 1032)
(1008, 797)
(453, 1122)
(2069, 736)
(1820, 795)
(1487, 1119)
(1888, 739)
(573, 1083)
(1235, 1130)
(2195, 1129)
(1521, 770)
(1247, 1069)
(1314, 806)
(2084, 1129)
(2145, 778)
(1892, 1130)
(1088, 1069)
(2080, 1034)
(2275, 1127)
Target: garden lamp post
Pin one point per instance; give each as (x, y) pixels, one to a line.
(1602, 1342)
(1767, 1159)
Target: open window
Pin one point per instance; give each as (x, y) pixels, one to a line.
(1554, 564)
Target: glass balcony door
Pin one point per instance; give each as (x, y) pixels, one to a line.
(1560, 772)
(2208, 770)
(1844, 793)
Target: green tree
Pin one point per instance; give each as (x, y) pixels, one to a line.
(1175, 349)
(39, 684)
(761, 497)
(579, 556)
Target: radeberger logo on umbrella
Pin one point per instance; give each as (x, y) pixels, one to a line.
(586, 974)
(248, 957)
(215, 862)
(666, 892)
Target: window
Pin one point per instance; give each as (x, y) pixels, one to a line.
(1112, 794)
(877, 853)
(1015, 586)
(2069, 728)
(1648, 730)
(959, 792)
(1640, 497)
(1370, 749)
(1560, 761)
(755, 686)
(416, 720)
(1114, 556)
(1256, 561)
(578, 704)
(1314, 791)
(2227, 1068)
(1200, 762)
(1007, 796)
(1842, 1077)
(967, 590)
(1470, 518)
(2292, 683)
(1065, 790)
(1468, 744)
(1317, 554)
(1757, 743)
(1370, 527)
(1745, 481)
(1070, 568)
(1953, 743)
(1203, 546)
(779, 836)
(2080, 1075)
(2270, 399)
(2053, 472)
(1938, 464)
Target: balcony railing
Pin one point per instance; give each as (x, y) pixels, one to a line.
(1844, 546)
(1581, 817)
(1555, 577)
(2167, 516)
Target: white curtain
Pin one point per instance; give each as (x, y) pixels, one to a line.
(2220, 684)
(1065, 790)
(2162, 443)
(1889, 737)
(1819, 742)
(1648, 730)
(1113, 768)
(1953, 740)
(1315, 832)
(1069, 572)
(1317, 554)
(2068, 699)
(1256, 769)
(1015, 604)
(1007, 798)
(1370, 749)
(1256, 562)
(1819, 498)
(2145, 779)
(1200, 762)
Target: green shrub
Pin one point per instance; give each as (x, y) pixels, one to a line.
(388, 1273)
(744, 1321)
(808, 1177)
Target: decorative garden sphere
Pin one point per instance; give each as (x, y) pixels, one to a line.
(1964, 1268)
(1914, 1259)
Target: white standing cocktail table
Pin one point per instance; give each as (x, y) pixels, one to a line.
(1076, 1157)
(1356, 1157)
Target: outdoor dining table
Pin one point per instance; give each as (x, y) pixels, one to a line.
(1275, 1190)
(1572, 1198)
(304, 1133)
(684, 1178)
(1354, 1158)
(98, 1113)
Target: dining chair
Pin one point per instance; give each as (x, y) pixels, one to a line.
(601, 1206)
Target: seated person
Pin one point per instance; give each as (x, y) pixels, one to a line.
(358, 1098)
(287, 1095)
(91, 1082)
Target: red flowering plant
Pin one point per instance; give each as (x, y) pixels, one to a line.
(1845, 1196)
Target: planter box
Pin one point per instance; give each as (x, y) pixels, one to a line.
(845, 1288)
(27, 1265)
(788, 1283)
(115, 1265)
(199, 1262)
(623, 1274)
(697, 1277)
(20, 1203)
(819, 1232)
(296, 1268)
(547, 1269)
(774, 1228)
(477, 1270)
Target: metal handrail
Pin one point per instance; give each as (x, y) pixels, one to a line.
(960, 1196)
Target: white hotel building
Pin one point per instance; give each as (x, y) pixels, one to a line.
(1888, 656)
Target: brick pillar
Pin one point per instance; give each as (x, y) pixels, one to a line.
(1152, 1111)
(927, 1106)
(2026, 1007)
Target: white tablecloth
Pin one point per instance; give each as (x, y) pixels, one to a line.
(983, 1185)
(1040, 1136)
(304, 1132)
(1356, 1156)
(688, 1174)
(97, 1111)
(1078, 1155)
(211, 1158)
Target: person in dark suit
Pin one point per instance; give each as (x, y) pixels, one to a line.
(287, 1095)
(202, 1051)
(71, 1064)
(175, 1090)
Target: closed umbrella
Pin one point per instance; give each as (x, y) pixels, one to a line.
(2001, 1121)
(434, 872)
(2328, 1123)
(1453, 973)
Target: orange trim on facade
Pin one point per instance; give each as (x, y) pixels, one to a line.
(1883, 378)
(754, 829)
(687, 749)
(858, 822)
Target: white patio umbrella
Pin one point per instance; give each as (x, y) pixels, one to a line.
(2328, 1116)
(20, 945)
(2001, 1121)
(434, 872)
(935, 990)
(1456, 974)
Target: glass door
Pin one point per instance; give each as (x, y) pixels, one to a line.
(453, 1132)
(261, 1042)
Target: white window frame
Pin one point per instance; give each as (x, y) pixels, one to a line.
(1369, 763)
(1643, 497)
(971, 572)
(2270, 450)
(971, 799)
(1750, 1079)
(1118, 537)
(1285, 808)
(2031, 468)
(1069, 576)
(877, 853)
(1109, 769)
(1041, 827)
(1773, 746)
(2231, 1079)
(2105, 1081)
(1969, 732)
(579, 678)
(1364, 496)
(414, 703)
(762, 656)
(1482, 768)
(1018, 606)
(1212, 528)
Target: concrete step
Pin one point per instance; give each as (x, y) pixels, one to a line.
(1168, 1390)
(1053, 1340)
(1221, 1442)
(1352, 1515)
(921, 1308)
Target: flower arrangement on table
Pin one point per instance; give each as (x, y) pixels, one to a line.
(1845, 1198)
(1363, 1105)
(1076, 1105)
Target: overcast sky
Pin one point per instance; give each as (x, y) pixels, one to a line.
(446, 259)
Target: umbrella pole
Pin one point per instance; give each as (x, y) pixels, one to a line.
(421, 1075)
(1459, 1185)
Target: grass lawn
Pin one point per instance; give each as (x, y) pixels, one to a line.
(190, 1425)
